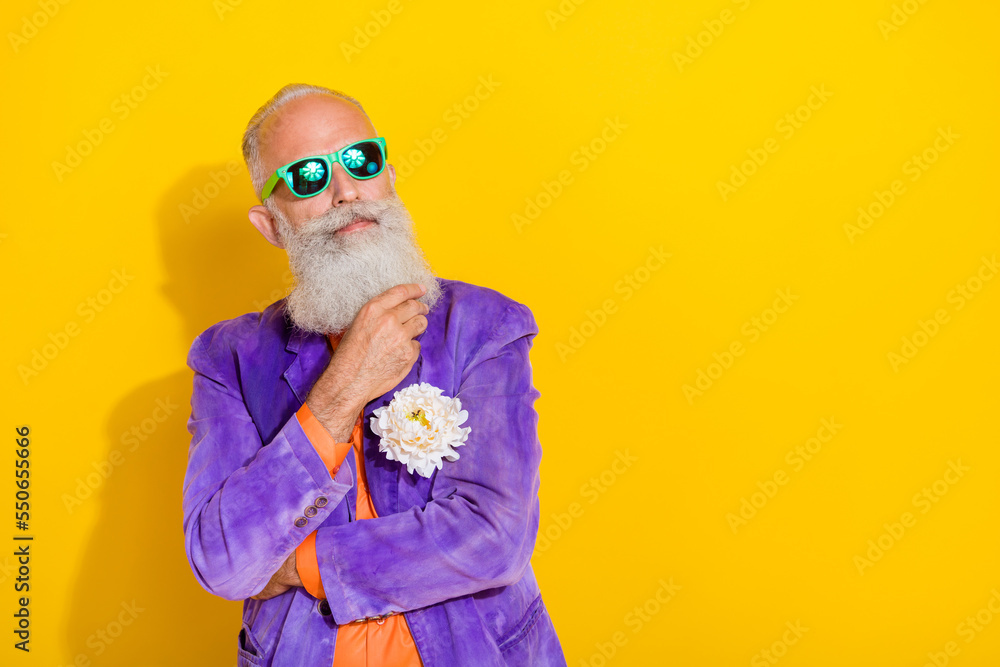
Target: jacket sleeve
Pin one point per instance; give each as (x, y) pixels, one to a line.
(242, 498)
(478, 530)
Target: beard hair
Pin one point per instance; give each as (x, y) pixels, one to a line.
(336, 274)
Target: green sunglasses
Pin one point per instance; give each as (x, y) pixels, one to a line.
(309, 176)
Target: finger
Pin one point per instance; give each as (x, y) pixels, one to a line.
(396, 295)
(409, 308)
(415, 325)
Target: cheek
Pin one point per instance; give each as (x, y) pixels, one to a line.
(376, 188)
(306, 209)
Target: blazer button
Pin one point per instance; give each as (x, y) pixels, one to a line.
(310, 511)
(321, 501)
(301, 522)
(324, 607)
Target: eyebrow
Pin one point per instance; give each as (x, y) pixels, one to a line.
(350, 143)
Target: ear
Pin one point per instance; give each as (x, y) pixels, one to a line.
(262, 219)
(392, 175)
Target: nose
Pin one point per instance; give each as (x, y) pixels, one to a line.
(343, 187)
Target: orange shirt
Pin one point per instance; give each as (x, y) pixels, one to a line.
(364, 643)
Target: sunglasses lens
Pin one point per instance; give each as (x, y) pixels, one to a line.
(363, 159)
(308, 177)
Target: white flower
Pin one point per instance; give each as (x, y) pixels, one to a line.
(419, 427)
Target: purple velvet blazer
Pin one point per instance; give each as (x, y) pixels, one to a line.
(451, 551)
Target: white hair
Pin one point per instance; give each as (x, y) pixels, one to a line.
(251, 136)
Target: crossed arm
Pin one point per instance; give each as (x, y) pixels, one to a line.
(301, 567)
(478, 530)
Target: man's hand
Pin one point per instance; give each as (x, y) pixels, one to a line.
(373, 356)
(285, 578)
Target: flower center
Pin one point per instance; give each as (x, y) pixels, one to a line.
(419, 416)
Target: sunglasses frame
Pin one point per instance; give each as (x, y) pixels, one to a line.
(281, 174)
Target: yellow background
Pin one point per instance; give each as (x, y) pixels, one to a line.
(662, 518)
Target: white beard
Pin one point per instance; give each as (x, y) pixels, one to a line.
(337, 274)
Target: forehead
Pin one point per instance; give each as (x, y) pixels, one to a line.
(311, 125)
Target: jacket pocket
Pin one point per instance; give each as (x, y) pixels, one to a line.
(249, 653)
(523, 626)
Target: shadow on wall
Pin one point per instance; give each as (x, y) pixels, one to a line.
(136, 601)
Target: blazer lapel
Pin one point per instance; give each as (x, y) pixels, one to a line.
(310, 356)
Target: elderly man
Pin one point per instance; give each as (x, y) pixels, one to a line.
(364, 464)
